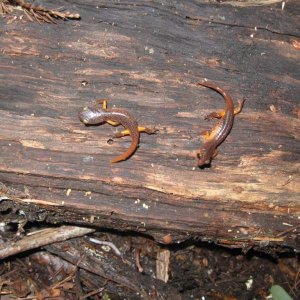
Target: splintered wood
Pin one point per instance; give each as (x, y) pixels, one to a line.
(163, 264)
(36, 13)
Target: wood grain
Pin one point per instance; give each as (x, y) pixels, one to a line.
(147, 57)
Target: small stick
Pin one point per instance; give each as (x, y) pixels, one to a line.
(109, 244)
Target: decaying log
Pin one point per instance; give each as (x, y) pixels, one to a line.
(147, 57)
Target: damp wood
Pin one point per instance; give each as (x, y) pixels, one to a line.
(147, 57)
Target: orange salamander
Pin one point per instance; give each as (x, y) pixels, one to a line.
(221, 130)
(95, 115)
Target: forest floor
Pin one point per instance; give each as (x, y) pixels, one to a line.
(195, 270)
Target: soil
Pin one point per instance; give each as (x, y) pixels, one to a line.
(197, 270)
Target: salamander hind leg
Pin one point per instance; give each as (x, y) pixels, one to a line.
(215, 115)
(147, 130)
(140, 129)
(122, 133)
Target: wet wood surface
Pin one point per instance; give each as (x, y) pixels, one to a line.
(147, 57)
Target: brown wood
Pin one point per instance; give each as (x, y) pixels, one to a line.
(147, 57)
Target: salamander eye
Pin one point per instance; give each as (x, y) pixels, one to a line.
(200, 155)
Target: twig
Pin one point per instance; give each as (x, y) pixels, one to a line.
(44, 14)
(137, 260)
(39, 13)
(287, 231)
(93, 265)
(42, 238)
(92, 293)
(109, 244)
(4, 8)
(296, 281)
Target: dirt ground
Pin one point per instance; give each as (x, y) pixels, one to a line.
(194, 271)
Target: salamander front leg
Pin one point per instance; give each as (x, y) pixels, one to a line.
(205, 135)
(239, 107)
(220, 115)
(102, 102)
(113, 123)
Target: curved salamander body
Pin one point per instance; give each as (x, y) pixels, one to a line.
(95, 115)
(221, 130)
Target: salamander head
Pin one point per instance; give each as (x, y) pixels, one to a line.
(91, 116)
(205, 156)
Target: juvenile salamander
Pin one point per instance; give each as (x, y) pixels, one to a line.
(96, 115)
(221, 130)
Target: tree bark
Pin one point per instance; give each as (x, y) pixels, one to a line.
(147, 57)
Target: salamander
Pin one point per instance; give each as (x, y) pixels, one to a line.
(96, 115)
(221, 130)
